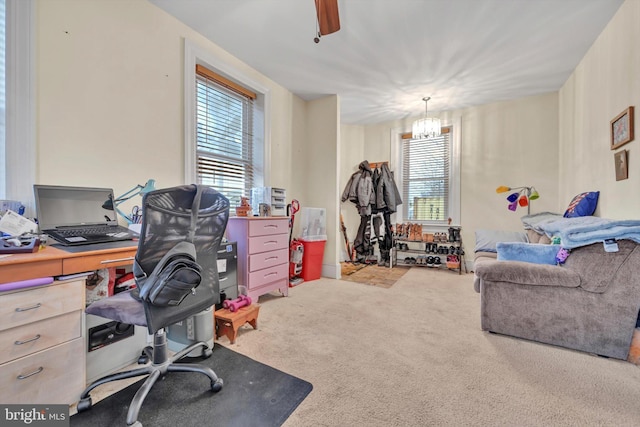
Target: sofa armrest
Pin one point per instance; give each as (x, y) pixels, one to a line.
(525, 273)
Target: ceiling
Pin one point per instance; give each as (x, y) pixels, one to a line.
(389, 54)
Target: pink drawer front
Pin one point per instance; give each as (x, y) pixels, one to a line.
(268, 243)
(268, 275)
(266, 227)
(268, 259)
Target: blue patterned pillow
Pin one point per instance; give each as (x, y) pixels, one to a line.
(584, 204)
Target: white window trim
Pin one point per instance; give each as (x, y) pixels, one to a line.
(21, 94)
(194, 54)
(454, 170)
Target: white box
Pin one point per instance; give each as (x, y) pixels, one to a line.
(276, 198)
(313, 223)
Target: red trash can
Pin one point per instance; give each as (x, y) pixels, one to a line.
(312, 259)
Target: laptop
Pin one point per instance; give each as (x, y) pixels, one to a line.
(79, 215)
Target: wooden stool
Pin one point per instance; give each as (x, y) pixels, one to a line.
(227, 322)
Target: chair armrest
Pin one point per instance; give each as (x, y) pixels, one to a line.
(526, 273)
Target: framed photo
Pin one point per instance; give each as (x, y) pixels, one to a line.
(622, 164)
(622, 128)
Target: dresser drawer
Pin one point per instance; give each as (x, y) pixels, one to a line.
(268, 275)
(36, 304)
(56, 376)
(268, 243)
(268, 227)
(268, 259)
(33, 337)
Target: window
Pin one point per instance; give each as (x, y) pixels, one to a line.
(17, 140)
(426, 176)
(227, 129)
(3, 105)
(224, 135)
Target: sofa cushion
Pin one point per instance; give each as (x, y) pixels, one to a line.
(535, 237)
(486, 240)
(526, 273)
(584, 204)
(598, 267)
(528, 252)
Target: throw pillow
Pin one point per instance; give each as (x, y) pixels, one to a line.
(584, 204)
(528, 252)
(486, 240)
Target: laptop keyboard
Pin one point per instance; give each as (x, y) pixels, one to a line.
(86, 231)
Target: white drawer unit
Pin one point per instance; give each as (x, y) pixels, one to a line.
(276, 198)
(42, 357)
(263, 254)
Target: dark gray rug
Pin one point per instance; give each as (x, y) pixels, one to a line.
(254, 394)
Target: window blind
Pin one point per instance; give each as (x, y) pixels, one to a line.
(425, 178)
(224, 136)
(2, 100)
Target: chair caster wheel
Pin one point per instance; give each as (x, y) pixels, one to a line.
(206, 353)
(84, 404)
(216, 385)
(143, 359)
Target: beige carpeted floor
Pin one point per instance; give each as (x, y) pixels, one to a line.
(414, 355)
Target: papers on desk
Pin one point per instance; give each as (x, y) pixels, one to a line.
(15, 224)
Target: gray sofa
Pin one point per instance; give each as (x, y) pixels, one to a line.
(590, 303)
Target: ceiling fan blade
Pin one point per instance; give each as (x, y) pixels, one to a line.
(328, 19)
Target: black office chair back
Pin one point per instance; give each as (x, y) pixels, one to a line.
(189, 213)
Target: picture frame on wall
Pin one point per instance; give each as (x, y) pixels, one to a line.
(622, 128)
(621, 159)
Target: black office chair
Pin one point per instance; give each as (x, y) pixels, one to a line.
(176, 276)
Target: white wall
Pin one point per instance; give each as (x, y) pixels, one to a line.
(110, 96)
(321, 173)
(606, 82)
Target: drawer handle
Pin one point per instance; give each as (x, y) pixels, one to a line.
(271, 242)
(109, 261)
(271, 226)
(37, 337)
(37, 371)
(33, 307)
(270, 274)
(271, 257)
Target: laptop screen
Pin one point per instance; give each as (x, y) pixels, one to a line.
(58, 206)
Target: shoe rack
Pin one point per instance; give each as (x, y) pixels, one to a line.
(442, 250)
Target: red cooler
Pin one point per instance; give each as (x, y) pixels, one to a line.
(312, 259)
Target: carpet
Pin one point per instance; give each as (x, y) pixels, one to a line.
(254, 394)
(374, 275)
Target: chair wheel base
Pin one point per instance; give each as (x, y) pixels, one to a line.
(216, 385)
(84, 404)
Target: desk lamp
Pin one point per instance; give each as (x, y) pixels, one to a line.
(520, 196)
(138, 189)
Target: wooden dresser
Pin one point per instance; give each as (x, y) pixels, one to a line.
(42, 328)
(263, 254)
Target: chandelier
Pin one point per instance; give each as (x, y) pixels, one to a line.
(426, 127)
